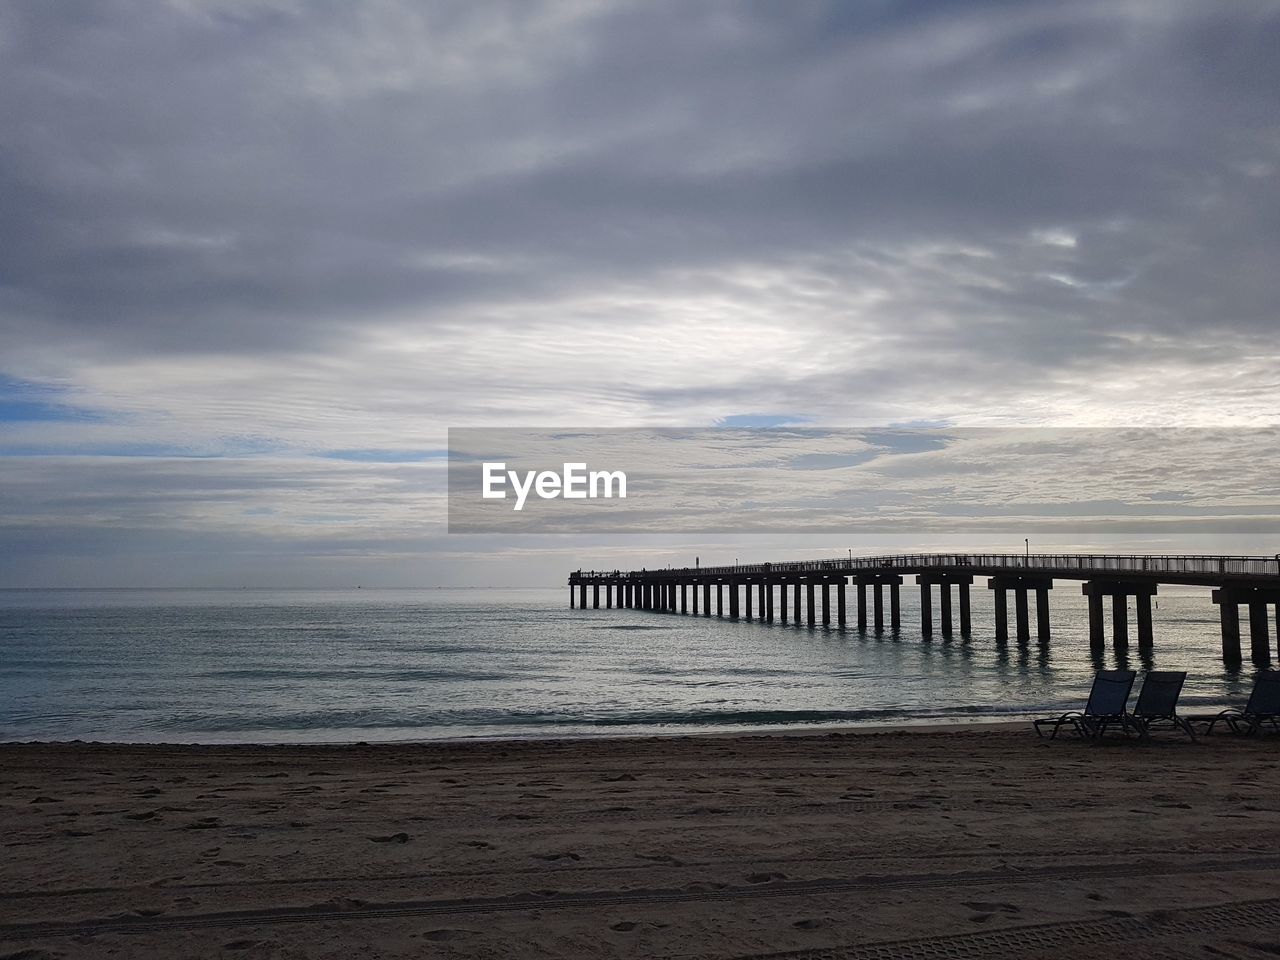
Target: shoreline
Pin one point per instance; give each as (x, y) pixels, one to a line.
(929, 726)
(797, 730)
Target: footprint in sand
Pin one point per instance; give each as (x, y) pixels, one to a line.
(659, 858)
(441, 935)
(982, 906)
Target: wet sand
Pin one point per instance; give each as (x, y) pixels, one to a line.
(971, 843)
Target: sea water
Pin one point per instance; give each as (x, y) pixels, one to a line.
(362, 665)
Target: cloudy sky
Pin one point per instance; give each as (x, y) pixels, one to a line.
(257, 257)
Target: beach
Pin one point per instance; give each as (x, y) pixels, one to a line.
(971, 842)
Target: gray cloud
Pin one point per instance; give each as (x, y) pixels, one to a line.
(295, 228)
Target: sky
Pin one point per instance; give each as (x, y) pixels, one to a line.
(257, 258)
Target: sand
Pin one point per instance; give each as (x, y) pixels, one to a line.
(971, 843)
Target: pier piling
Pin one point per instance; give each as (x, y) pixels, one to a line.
(926, 607)
(1021, 585)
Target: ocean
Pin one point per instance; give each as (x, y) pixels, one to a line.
(219, 666)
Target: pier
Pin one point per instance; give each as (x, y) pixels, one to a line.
(812, 585)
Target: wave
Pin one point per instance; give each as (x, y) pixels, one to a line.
(441, 721)
(348, 675)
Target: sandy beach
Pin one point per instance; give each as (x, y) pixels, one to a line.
(968, 843)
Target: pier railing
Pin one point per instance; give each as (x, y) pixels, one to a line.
(1061, 563)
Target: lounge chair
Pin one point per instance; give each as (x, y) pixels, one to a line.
(1106, 706)
(1158, 703)
(1263, 707)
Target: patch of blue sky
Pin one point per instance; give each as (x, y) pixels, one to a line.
(905, 441)
(23, 401)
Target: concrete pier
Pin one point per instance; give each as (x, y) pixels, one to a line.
(1021, 585)
(877, 583)
(1120, 591)
(1229, 598)
(944, 582)
(1252, 582)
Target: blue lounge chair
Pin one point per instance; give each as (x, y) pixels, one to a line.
(1158, 703)
(1106, 706)
(1263, 707)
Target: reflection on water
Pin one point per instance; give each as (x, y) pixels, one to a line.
(363, 665)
